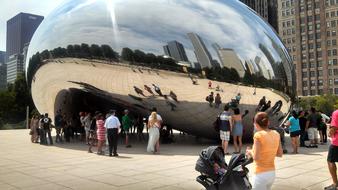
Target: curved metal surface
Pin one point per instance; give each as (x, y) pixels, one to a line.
(119, 51)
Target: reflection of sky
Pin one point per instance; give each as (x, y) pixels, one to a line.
(149, 24)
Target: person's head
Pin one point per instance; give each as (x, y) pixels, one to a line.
(154, 109)
(313, 110)
(238, 94)
(46, 114)
(217, 94)
(269, 102)
(212, 93)
(294, 114)
(226, 108)
(237, 111)
(263, 98)
(261, 120)
(112, 112)
(41, 116)
(126, 112)
(99, 116)
(301, 113)
(153, 116)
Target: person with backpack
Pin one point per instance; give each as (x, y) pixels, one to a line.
(210, 98)
(46, 125)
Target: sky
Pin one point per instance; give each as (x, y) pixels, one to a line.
(10, 8)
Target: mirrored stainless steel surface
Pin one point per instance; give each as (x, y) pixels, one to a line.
(88, 54)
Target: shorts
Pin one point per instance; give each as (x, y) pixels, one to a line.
(312, 133)
(295, 133)
(224, 135)
(263, 181)
(332, 155)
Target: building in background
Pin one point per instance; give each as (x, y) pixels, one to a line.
(175, 50)
(3, 71)
(267, 9)
(2, 56)
(309, 31)
(202, 54)
(229, 59)
(20, 30)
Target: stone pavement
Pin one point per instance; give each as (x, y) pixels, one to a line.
(24, 165)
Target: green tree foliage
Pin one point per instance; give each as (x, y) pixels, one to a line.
(326, 103)
(14, 100)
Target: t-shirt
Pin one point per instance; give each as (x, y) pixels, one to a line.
(334, 123)
(314, 119)
(294, 124)
(126, 122)
(46, 121)
(225, 118)
(269, 143)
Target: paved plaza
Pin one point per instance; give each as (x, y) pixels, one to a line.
(68, 166)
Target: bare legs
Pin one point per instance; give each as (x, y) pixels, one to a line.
(295, 144)
(225, 146)
(333, 171)
(238, 143)
(99, 147)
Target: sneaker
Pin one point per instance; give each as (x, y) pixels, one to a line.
(128, 146)
(115, 155)
(331, 187)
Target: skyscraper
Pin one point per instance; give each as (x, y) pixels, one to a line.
(229, 59)
(3, 76)
(2, 56)
(175, 50)
(202, 54)
(20, 30)
(267, 9)
(3, 71)
(309, 31)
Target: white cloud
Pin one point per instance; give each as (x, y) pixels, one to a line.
(9, 9)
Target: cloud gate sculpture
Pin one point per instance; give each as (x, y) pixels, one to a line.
(90, 55)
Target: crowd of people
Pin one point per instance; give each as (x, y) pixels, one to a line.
(98, 129)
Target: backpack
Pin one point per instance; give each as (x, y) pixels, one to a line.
(207, 98)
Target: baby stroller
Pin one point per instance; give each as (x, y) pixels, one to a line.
(234, 177)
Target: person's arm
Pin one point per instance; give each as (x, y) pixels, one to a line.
(332, 131)
(254, 152)
(280, 150)
(287, 124)
(231, 122)
(326, 118)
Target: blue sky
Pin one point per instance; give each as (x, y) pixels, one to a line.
(10, 8)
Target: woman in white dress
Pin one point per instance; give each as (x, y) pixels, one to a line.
(154, 126)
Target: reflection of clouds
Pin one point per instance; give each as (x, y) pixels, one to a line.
(149, 24)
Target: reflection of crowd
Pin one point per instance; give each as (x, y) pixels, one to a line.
(264, 105)
(95, 129)
(171, 99)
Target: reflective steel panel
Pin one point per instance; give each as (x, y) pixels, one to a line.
(98, 54)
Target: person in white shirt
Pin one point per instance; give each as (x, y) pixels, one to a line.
(112, 124)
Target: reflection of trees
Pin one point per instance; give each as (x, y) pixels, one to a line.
(140, 58)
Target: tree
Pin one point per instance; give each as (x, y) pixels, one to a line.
(85, 51)
(234, 76)
(70, 50)
(127, 54)
(108, 52)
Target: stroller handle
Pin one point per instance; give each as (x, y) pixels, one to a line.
(248, 161)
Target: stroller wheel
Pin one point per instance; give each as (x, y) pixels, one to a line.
(203, 181)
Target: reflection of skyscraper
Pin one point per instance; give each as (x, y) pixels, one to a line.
(20, 30)
(229, 59)
(202, 54)
(175, 50)
(263, 71)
